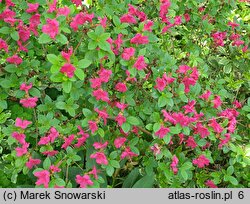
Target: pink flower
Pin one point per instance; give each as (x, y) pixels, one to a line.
(162, 132)
(121, 106)
(20, 137)
(32, 7)
(102, 114)
(14, 60)
(206, 95)
(4, 45)
(104, 75)
(68, 69)
(189, 108)
(80, 19)
(128, 53)
(237, 104)
(29, 102)
(100, 94)
(68, 141)
(238, 43)
(50, 153)
(99, 145)
(177, 20)
(93, 126)
(121, 87)
(51, 28)
(103, 21)
(245, 48)
(139, 39)
(67, 55)
(25, 87)
(160, 84)
(210, 184)
(81, 140)
(34, 22)
(217, 102)
(100, 158)
(174, 164)
(54, 169)
(32, 162)
(187, 17)
(203, 131)
(22, 123)
(119, 142)
(216, 126)
(52, 6)
(201, 161)
(156, 149)
(95, 83)
(191, 142)
(53, 134)
(20, 151)
(44, 141)
(43, 178)
(140, 63)
(127, 18)
(233, 25)
(120, 119)
(148, 26)
(128, 154)
(64, 11)
(183, 69)
(77, 2)
(94, 172)
(224, 141)
(84, 181)
(218, 38)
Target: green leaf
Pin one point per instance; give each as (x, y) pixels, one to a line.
(231, 179)
(53, 59)
(99, 30)
(104, 45)
(115, 164)
(230, 170)
(86, 112)
(60, 182)
(162, 101)
(133, 120)
(80, 74)
(46, 163)
(5, 30)
(62, 39)
(84, 63)
(67, 85)
(175, 129)
(14, 35)
(126, 127)
(184, 174)
(131, 178)
(44, 38)
(110, 170)
(145, 182)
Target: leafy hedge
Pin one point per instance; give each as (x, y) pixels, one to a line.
(129, 93)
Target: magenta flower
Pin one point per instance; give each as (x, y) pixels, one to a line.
(99, 145)
(210, 184)
(80, 19)
(128, 154)
(206, 95)
(84, 181)
(127, 18)
(93, 126)
(128, 53)
(104, 75)
(51, 28)
(100, 94)
(119, 142)
(174, 164)
(68, 141)
(29, 102)
(100, 158)
(68, 69)
(121, 106)
(102, 114)
(22, 123)
(160, 84)
(20, 137)
(140, 63)
(43, 178)
(20, 151)
(14, 60)
(191, 142)
(120, 119)
(44, 141)
(95, 83)
(32, 8)
(156, 149)
(217, 102)
(25, 87)
(162, 132)
(64, 11)
(50, 153)
(4, 45)
(201, 161)
(54, 169)
(67, 55)
(139, 39)
(148, 26)
(32, 162)
(216, 126)
(52, 6)
(94, 172)
(77, 2)
(121, 87)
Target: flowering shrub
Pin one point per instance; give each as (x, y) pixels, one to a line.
(124, 93)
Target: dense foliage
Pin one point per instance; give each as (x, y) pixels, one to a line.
(130, 93)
